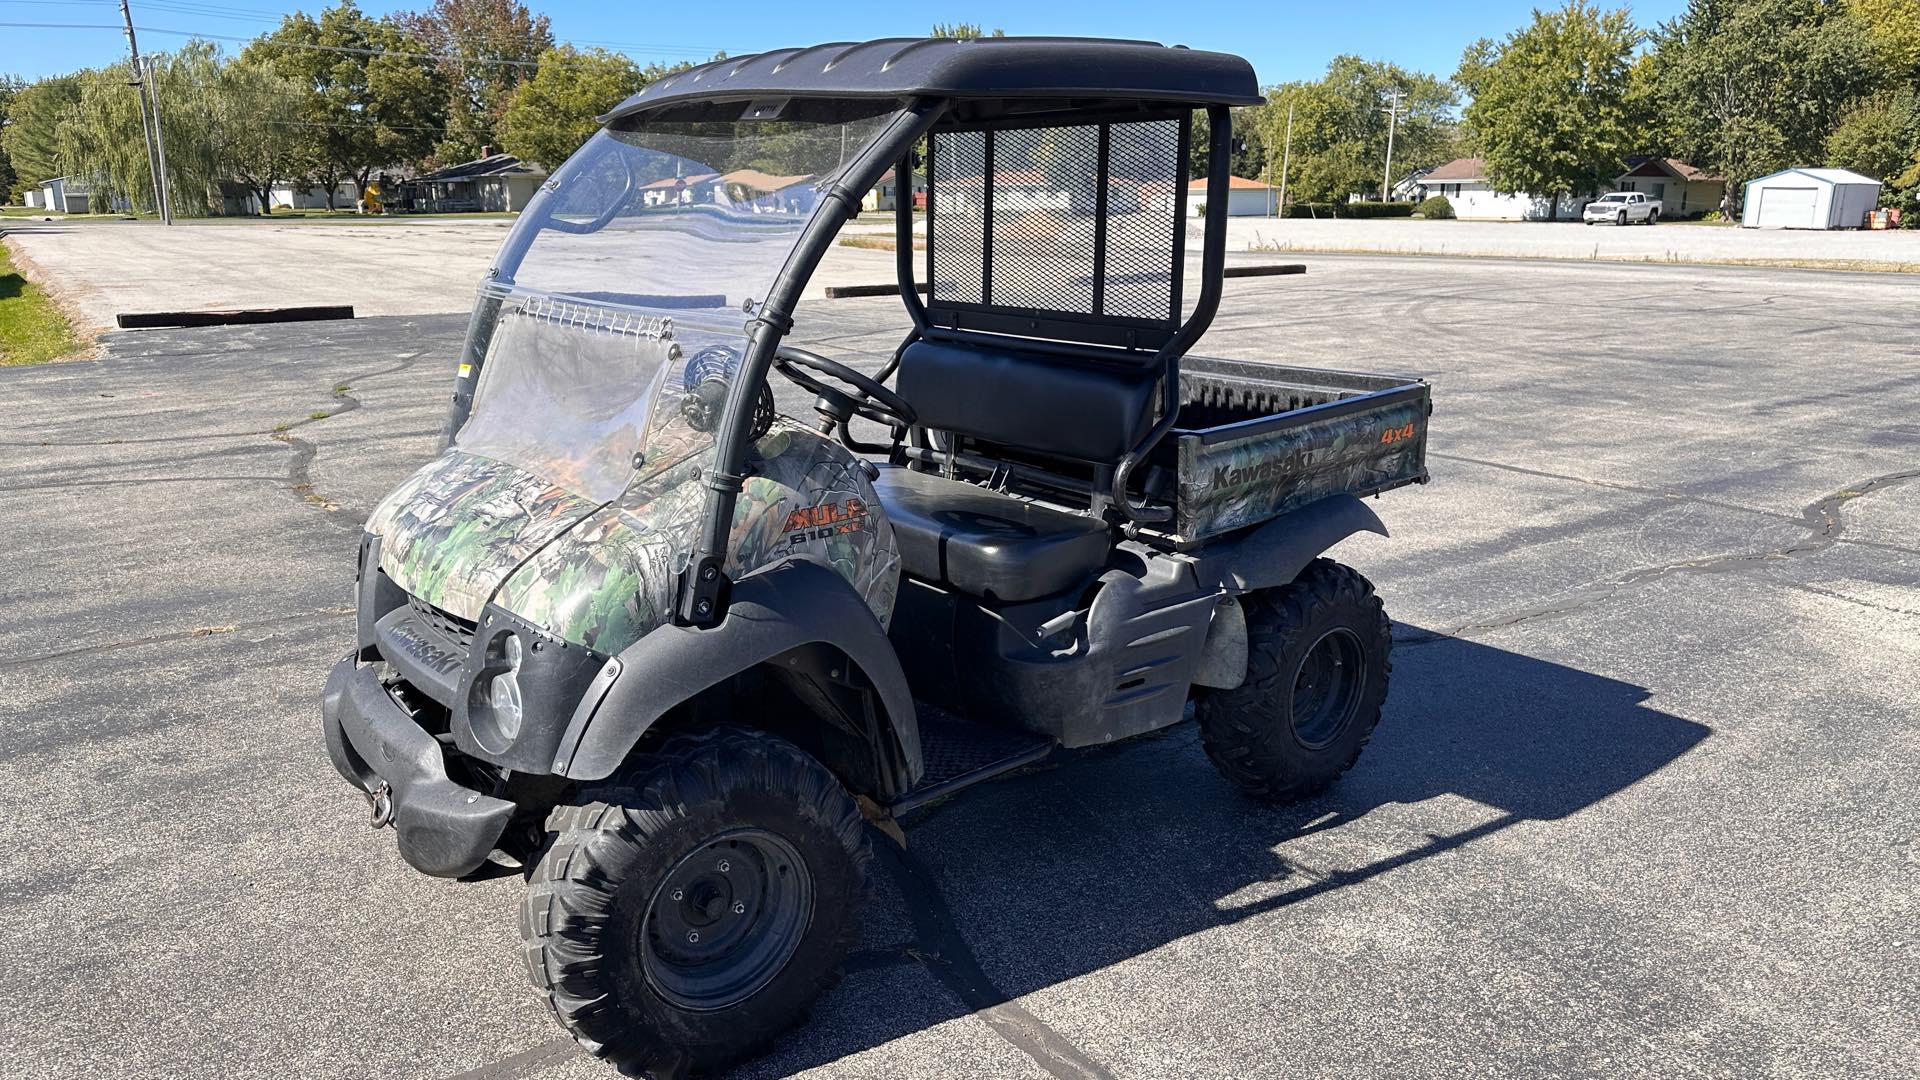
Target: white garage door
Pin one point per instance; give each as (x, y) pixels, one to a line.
(1787, 208)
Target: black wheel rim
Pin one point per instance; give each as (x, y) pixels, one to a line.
(1327, 687)
(726, 919)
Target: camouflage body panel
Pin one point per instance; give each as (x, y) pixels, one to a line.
(1235, 483)
(454, 530)
(611, 580)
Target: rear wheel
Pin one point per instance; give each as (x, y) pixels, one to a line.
(685, 917)
(1317, 665)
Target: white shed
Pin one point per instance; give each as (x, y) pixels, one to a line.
(1809, 199)
(1245, 198)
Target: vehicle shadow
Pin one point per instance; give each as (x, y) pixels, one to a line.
(1022, 883)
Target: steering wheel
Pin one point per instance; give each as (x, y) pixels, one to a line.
(873, 401)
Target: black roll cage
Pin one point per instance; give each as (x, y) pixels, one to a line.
(704, 586)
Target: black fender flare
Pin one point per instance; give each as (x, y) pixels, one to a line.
(794, 604)
(1275, 553)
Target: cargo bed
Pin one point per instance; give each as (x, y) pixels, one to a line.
(1254, 440)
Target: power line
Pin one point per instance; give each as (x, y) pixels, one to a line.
(346, 49)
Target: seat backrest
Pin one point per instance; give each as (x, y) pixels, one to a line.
(1028, 400)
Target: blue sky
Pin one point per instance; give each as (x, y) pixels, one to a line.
(1283, 40)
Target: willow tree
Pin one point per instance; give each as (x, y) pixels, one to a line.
(263, 140)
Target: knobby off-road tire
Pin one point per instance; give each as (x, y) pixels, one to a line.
(728, 837)
(1318, 657)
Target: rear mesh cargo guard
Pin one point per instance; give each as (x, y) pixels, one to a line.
(1073, 232)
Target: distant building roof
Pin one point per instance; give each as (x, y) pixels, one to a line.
(1831, 176)
(759, 181)
(679, 181)
(1234, 183)
(1637, 165)
(1457, 170)
(492, 165)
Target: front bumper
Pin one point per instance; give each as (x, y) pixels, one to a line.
(445, 828)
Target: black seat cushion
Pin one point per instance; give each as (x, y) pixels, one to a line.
(1028, 400)
(984, 543)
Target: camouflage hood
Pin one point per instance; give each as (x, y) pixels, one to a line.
(467, 530)
(452, 532)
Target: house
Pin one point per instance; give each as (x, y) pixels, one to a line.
(1245, 198)
(1465, 184)
(1683, 190)
(678, 190)
(1408, 189)
(763, 193)
(885, 192)
(289, 195)
(496, 182)
(1013, 189)
(1810, 199)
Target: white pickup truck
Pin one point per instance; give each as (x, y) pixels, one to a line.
(1621, 208)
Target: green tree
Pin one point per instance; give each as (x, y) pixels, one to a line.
(552, 114)
(263, 141)
(1747, 87)
(966, 31)
(487, 48)
(1895, 27)
(1340, 127)
(1879, 137)
(31, 137)
(1249, 144)
(1550, 112)
(368, 96)
(10, 87)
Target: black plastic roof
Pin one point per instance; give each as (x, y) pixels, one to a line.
(982, 68)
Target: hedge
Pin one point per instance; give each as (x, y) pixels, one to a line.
(1350, 210)
(1435, 208)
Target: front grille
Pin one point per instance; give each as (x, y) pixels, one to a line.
(456, 630)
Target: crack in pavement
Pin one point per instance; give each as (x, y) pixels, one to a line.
(1822, 518)
(1611, 485)
(300, 467)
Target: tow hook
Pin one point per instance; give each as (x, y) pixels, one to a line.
(380, 801)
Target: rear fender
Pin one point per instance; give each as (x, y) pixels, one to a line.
(1275, 553)
(798, 617)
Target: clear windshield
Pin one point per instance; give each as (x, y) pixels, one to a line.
(629, 281)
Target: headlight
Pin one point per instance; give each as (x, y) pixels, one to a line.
(503, 693)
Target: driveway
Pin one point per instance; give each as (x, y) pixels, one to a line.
(1642, 802)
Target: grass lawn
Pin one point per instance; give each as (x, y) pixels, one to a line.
(36, 213)
(32, 330)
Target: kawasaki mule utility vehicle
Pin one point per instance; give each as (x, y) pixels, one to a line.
(668, 649)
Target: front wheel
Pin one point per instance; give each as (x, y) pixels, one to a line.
(1620, 218)
(1318, 656)
(683, 918)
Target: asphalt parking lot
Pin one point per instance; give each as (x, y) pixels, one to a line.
(1643, 802)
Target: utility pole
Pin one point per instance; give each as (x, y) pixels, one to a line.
(1286, 162)
(160, 144)
(139, 84)
(1386, 177)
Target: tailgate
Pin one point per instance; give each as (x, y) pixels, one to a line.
(1242, 474)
